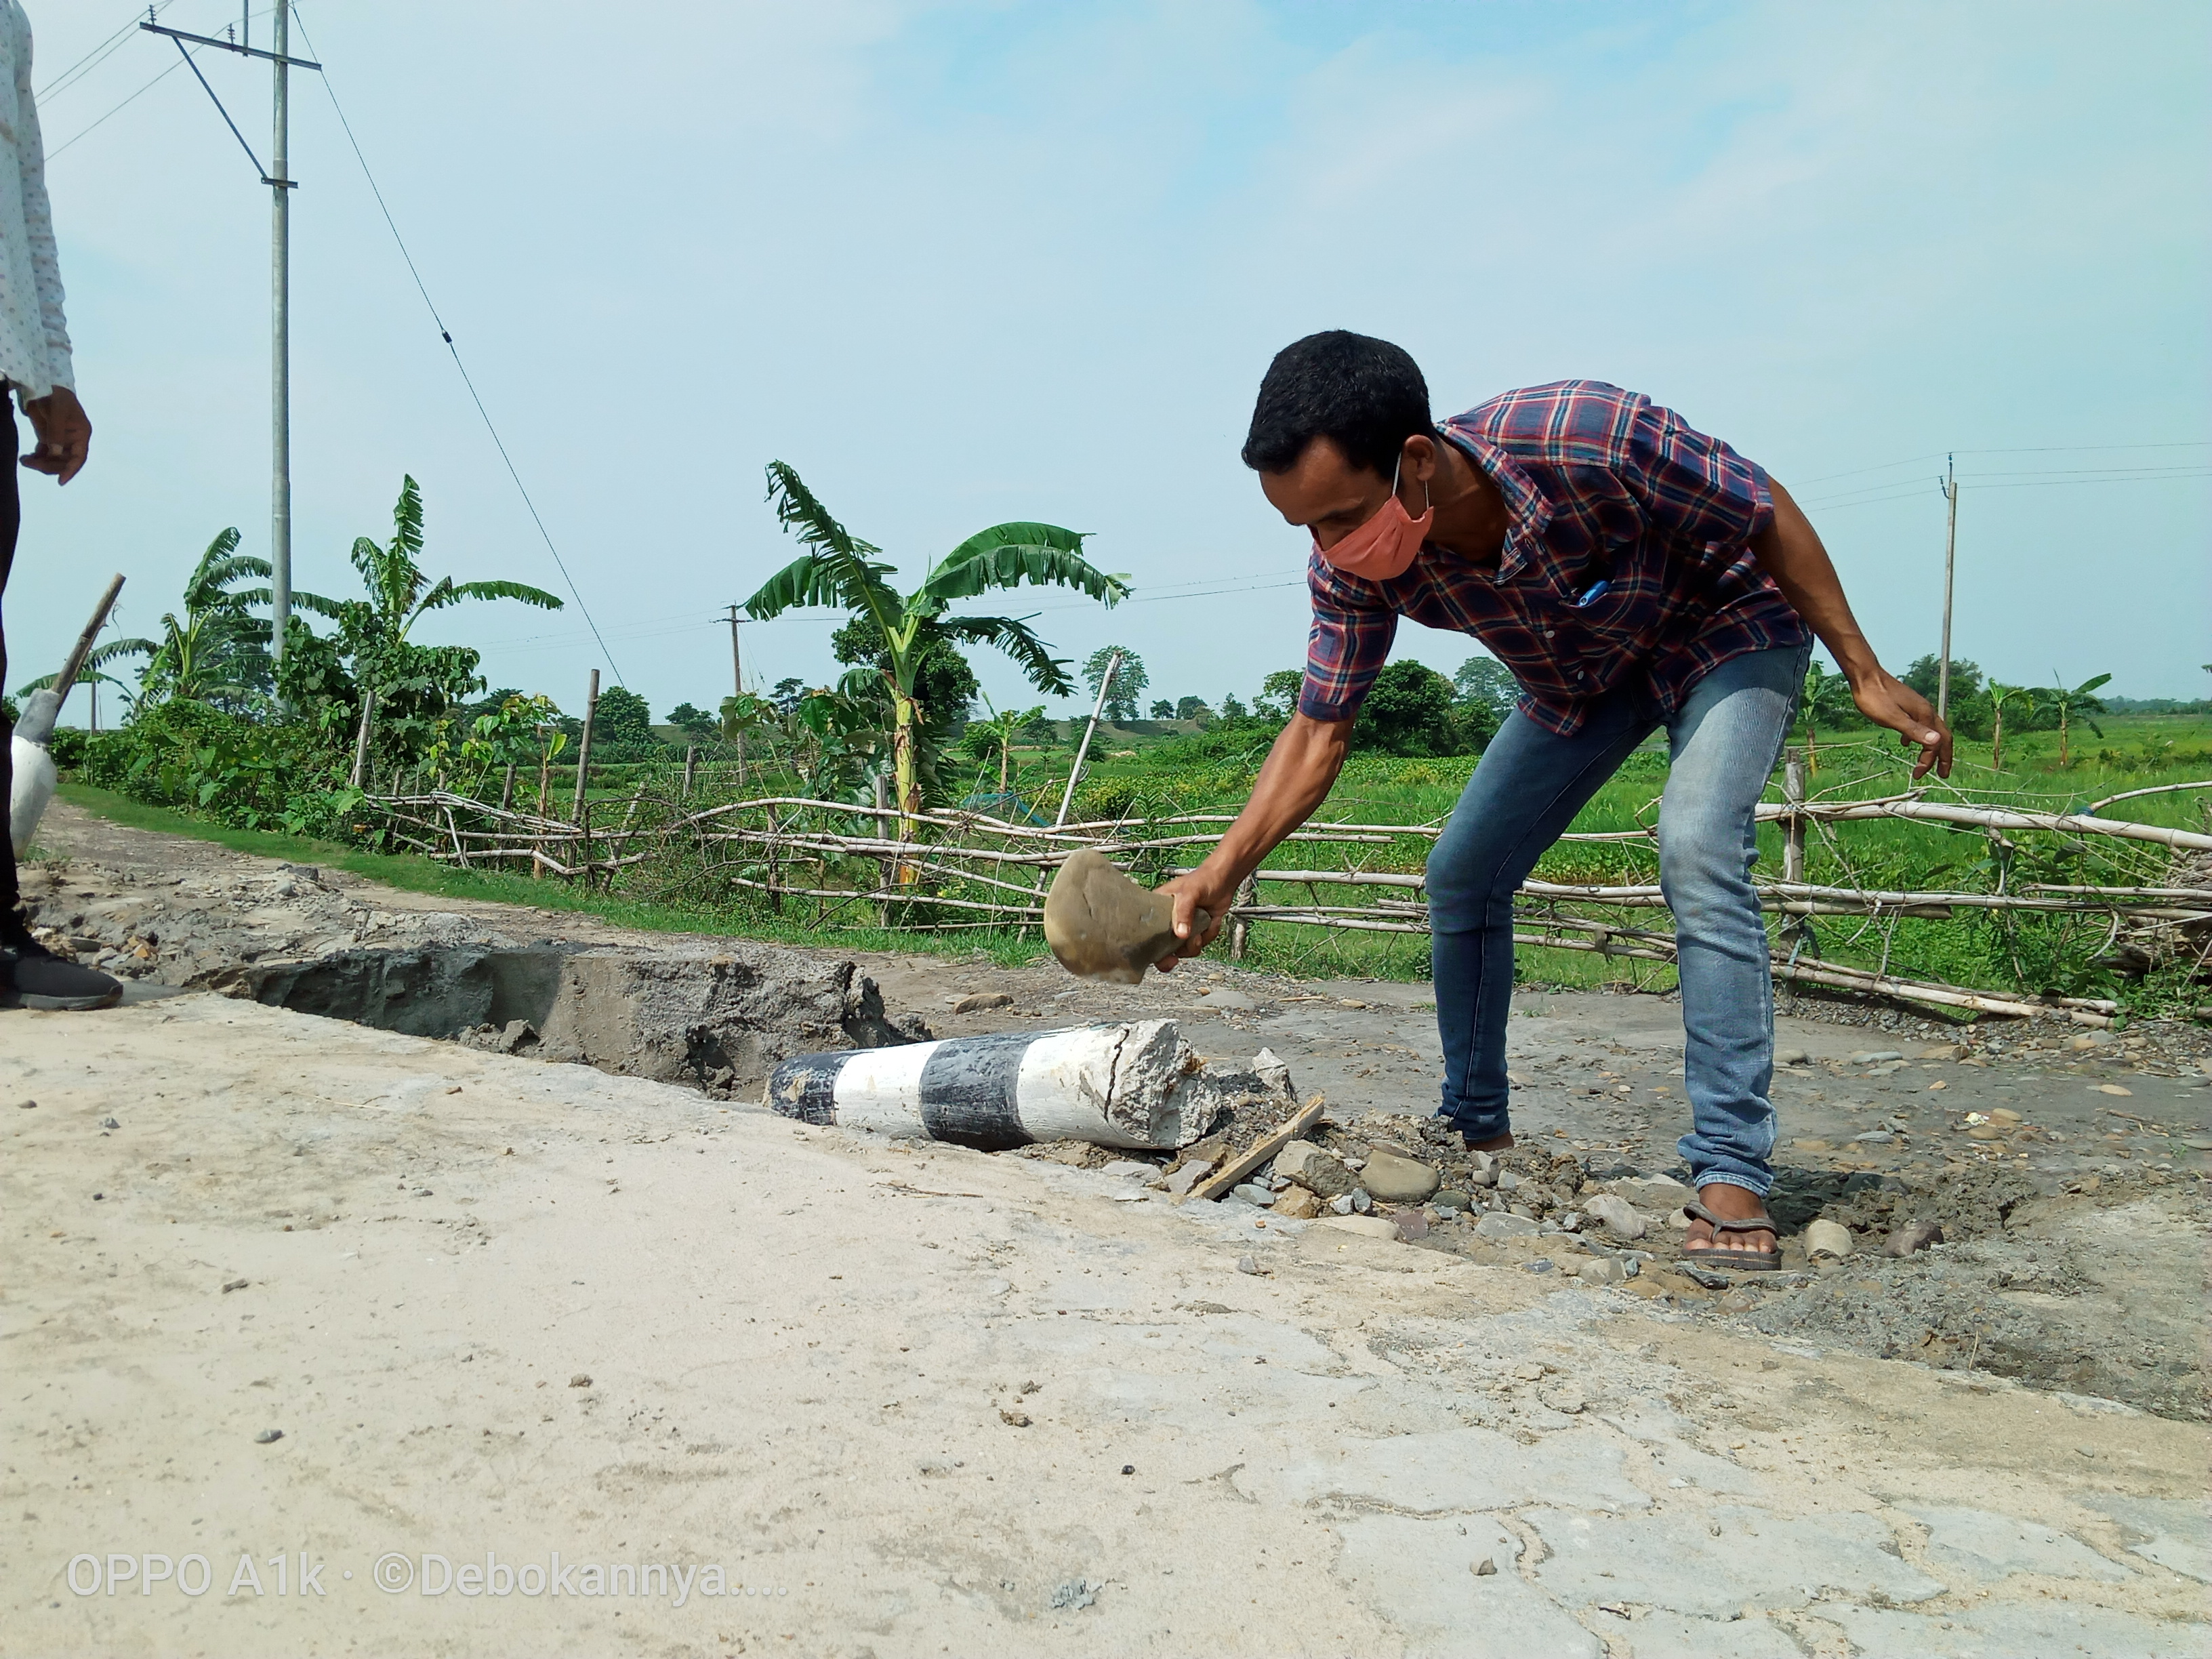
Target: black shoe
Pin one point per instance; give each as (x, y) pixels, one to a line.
(41, 979)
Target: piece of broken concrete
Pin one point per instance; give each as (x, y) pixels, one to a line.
(1915, 1236)
(1187, 1174)
(1103, 925)
(1396, 1179)
(1273, 1071)
(1372, 1226)
(1619, 1217)
(1828, 1238)
(1318, 1171)
(1503, 1225)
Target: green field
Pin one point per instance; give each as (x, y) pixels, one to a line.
(1140, 774)
(2039, 953)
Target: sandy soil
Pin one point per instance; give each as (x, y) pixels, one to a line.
(920, 1400)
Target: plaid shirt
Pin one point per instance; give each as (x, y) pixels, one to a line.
(1601, 485)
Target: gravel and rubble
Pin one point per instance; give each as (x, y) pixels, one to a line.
(2065, 1169)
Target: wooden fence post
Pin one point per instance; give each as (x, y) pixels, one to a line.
(506, 789)
(580, 813)
(690, 767)
(1800, 932)
(361, 738)
(1793, 826)
(1240, 929)
(584, 749)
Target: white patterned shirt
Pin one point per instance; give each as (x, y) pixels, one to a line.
(35, 343)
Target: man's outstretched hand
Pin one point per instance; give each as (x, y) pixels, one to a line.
(1197, 891)
(64, 434)
(1887, 701)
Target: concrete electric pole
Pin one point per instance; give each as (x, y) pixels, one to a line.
(277, 177)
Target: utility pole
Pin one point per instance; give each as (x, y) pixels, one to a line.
(1949, 485)
(277, 177)
(279, 340)
(738, 678)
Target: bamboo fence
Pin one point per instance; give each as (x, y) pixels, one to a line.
(954, 870)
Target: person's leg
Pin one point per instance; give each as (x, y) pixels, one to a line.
(1527, 789)
(1725, 741)
(10, 519)
(30, 975)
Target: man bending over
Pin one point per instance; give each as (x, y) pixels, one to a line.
(1634, 574)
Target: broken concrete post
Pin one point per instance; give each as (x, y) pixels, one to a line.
(1103, 925)
(32, 782)
(1138, 1085)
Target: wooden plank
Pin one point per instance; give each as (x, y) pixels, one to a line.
(1215, 1186)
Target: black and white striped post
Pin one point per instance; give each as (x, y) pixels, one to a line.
(1138, 1085)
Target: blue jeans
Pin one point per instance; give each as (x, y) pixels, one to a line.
(1722, 746)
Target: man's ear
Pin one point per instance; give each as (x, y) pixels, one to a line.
(1421, 459)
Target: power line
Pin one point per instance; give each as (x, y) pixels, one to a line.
(2041, 478)
(53, 153)
(1918, 491)
(445, 334)
(99, 54)
(2030, 449)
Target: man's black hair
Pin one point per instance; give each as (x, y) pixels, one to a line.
(1365, 395)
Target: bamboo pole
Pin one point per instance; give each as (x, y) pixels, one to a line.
(361, 739)
(1988, 818)
(584, 749)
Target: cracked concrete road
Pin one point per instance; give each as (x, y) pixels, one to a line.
(925, 1400)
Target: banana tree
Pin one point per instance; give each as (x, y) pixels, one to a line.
(218, 651)
(408, 685)
(839, 569)
(995, 736)
(2000, 696)
(2079, 704)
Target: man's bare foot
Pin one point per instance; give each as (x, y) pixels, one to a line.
(1730, 1204)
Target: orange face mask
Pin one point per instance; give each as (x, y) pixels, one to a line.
(1385, 545)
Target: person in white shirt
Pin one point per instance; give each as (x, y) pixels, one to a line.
(34, 361)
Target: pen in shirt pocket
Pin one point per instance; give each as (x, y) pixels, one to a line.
(1592, 594)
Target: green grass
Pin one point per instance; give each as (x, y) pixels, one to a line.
(1144, 775)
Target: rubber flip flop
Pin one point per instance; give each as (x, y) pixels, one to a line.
(1750, 1262)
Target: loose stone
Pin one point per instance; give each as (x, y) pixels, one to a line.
(1397, 1179)
(1915, 1236)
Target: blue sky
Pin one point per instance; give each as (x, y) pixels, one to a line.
(963, 263)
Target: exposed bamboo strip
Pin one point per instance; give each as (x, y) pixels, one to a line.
(2155, 789)
(1991, 817)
